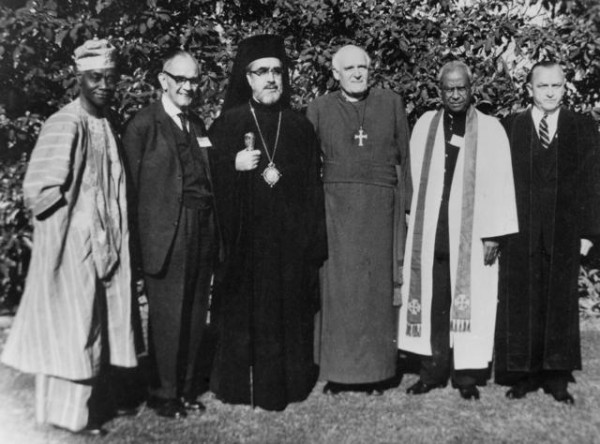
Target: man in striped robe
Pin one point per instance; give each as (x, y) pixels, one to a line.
(77, 300)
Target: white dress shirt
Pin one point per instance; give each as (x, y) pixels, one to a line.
(552, 120)
(172, 110)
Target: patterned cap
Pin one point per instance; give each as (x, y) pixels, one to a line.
(95, 54)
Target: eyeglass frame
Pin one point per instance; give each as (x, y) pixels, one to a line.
(180, 80)
(262, 72)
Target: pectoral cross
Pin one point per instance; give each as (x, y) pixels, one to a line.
(361, 136)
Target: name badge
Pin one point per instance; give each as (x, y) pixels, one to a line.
(204, 142)
(457, 141)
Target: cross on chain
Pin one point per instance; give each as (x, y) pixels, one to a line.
(361, 136)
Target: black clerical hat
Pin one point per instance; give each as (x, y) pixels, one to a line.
(249, 50)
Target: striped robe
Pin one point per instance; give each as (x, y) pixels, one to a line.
(56, 331)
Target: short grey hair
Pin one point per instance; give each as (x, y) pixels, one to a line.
(335, 60)
(455, 65)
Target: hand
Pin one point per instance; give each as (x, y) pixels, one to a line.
(585, 246)
(491, 251)
(247, 160)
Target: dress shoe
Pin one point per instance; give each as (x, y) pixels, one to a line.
(420, 388)
(93, 430)
(332, 388)
(521, 388)
(561, 396)
(564, 397)
(192, 404)
(469, 392)
(168, 408)
(375, 392)
(126, 411)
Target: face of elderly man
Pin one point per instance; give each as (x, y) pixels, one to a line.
(547, 87)
(179, 80)
(98, 86)
(351, 69)
(456, 90)
(265, 78)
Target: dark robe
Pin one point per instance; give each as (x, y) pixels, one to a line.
(558, 203)
(266, 294)
(367, 189)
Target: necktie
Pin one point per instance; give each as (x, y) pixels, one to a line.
(184, 123)
(544, 135)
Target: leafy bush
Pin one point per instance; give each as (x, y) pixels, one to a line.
(408, 40)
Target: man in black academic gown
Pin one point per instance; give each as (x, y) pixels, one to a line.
(270, 200)
(555, 164)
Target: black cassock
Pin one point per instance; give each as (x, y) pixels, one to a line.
(266, 292)
(558, 203)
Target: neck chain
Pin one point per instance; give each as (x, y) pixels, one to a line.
(361, 134)
(271, 174)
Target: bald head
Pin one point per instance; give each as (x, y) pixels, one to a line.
(349, 51)
(351, 68)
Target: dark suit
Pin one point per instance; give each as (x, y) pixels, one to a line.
(175, 220)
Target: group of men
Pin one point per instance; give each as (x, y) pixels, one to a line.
(315, 228)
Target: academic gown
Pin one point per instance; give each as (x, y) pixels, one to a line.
(367, 189)
(494, 214)
(570, 193)
(266, 292)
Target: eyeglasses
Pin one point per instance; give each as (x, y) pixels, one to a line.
(261, 72)
(180, 80)
(461, 90)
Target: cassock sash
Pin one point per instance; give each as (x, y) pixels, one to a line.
(460, 318)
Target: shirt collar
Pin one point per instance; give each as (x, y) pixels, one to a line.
(537, 115)
(170, 108)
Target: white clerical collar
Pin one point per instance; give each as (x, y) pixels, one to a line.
(171, 109)
(552, 120)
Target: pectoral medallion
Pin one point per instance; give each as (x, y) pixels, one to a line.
(271, 174)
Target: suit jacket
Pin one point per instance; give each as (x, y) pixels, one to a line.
(156, 177)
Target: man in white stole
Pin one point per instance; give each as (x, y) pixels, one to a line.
(463, 201)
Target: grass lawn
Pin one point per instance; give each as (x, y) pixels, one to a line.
(438, 417)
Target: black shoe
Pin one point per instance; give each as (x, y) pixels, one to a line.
(420, 388)
(168, 408)
(561, 396)
(469, 392)
(332, 388)
(93, 429)
(192, 404)
(375, 392)
(126, 411)
(521, 388)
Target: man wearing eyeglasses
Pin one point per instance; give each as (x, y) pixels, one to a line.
(463, 201)
(270, 201)
(173, 208)
(555, 154)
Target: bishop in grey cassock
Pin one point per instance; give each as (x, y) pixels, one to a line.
(463, 201)
(363, 135)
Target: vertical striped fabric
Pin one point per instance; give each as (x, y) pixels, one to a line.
(55, 332)
(544, 135)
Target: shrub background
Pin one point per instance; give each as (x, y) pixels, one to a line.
(408, 41)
